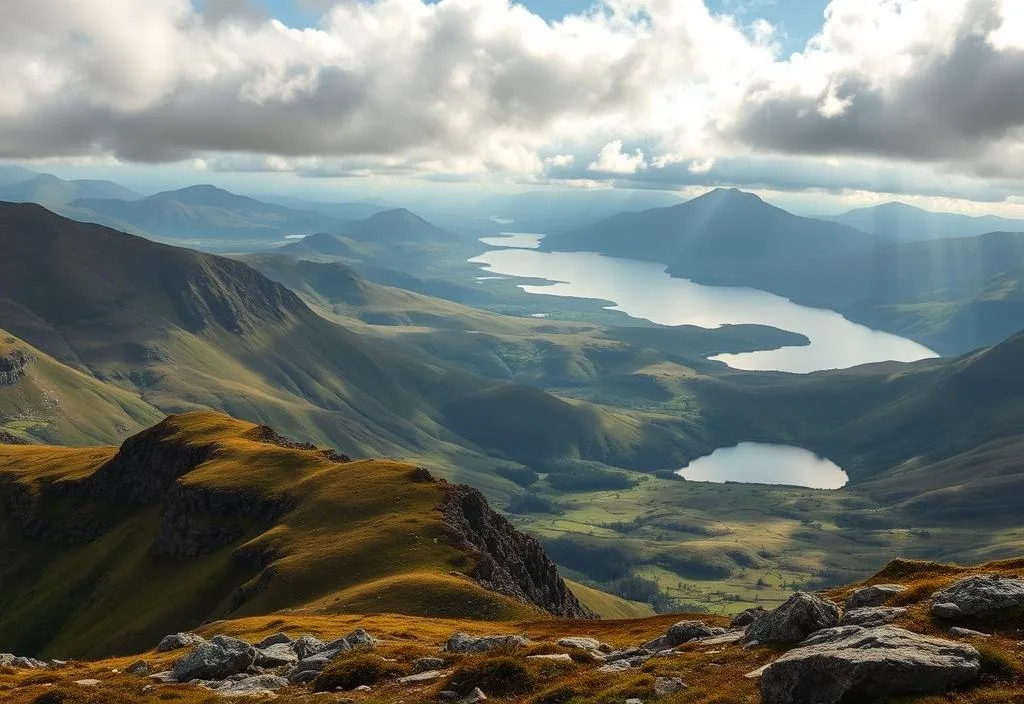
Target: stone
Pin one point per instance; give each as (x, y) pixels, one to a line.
(680, 633)
(21, 662)
(424, 664)
(255, 685)
(177, 641)
(869, 616)
(58, 663)
(626, 654)
(747, 616)
(979, 595)
(727, 637)
(870, 665)
(465, 643)
(756, 674)
(475, 696)
(166, 677)
(276, 655)
(215, 659)
(363, 688)
(359, 639)
(139, 667)
(87, 683)
(616, 666)
(588, 644)
(317, 662)
(798, 617)
(967, 633)
(447, 695)
(302, 676)
(557, 657)
(425, 676)
(276, 639)
(875, 595)
(663, 686)
(307, 645)
(828, 635)
(634, 700)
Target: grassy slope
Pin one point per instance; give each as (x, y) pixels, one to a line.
(359, 537)
(714, 674)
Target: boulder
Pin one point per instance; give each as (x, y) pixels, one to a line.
(308, 645)
(276, 655)
(557, 657)
(680, 633)
(869, 665)
(255, 685)
(958, 632)
(475, 696)
(317, 662)
(629, 654)
(215, 659)
(579, 643)
(616, 666)
(276, 639)
(800, 615)
(465, 643)
(870, 616)
(746, 617)
(725, 638)
(828, 635)
(359, 639)
(177, 641)
(9, 660)
(978, 595)
(425, 664)
(302, 676)
(663, 686)
(426, 676)
(875, 595)
(139, 667)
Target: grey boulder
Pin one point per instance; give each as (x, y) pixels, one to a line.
(663, 686)
(276, 655)
(798, 617)
(682, 632)
(359, 639)
(427, 664)
(177, 641)
(256, 685)
(875, 595)
(581, 643)
(465, 643)
(979, 595)
(10, 660)
(276, 639)
(139, 667)
(829, 635)
(747, 616)
(307, 645)
(869, 665)
(215, 659)
(870, 616)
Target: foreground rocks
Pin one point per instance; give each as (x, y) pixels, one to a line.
(875, 595)
(869, 616)
(177, 641)
(216, 659)
(10, 660)
(465, 643)
(801, 615)
(978, 596)
(868, 665)
(682, 632)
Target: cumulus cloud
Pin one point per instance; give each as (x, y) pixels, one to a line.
(457, 88)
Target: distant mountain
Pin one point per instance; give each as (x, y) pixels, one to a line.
(902, 222)
(48, 190)
(210, 213)
(396, 226)
(14, 174)
(558, 209)
(355, 210)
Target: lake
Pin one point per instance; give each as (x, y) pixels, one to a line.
(760, 463)
(645, 290)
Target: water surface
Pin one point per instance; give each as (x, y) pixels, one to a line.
(521, 240)
(760, 463)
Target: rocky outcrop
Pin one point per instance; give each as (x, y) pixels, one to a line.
(216, 659)
(266, 434)
(680, 633)
(978, 596)
(747, 616)
(7, 438)
(507, 561)
(794, 620)
(465, 643)
(12, 367)
(177, 641)
(869, 665)
(875, 595)
(869, 616)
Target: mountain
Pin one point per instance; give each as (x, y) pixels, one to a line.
(48, 190)
(353, 210)
(209, 213)
(559, 209)
(203, 516)
(392, 227)
(14, 174)
(903, 223)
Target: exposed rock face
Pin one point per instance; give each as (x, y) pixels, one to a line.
(12, 367)
(465, 643)
(256, 685)
(507, 561)
(869, 665)
(8, 439)
(979, 595)
(869, 616)
(216, 659)
(747, 616)
(875, 595)
(794, 620)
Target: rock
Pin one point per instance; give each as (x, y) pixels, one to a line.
(317, 662)
(794, 620)
(869, 616)
(875, 595)
(87, 683)
(475, 696)
(680, 633)
(588, 644)
(255, 685)
(57, 663)
(139, 667)
(165, 677)
(967, 633)
(979, 595)
(215, 659)
(363, 688)
(425, 676)
(746, 617)
(557, 657)
(307, 645)
(302, 676)
(276, 639)
(869, 665)
(616, 666)
(634, 700)
(424, 664)
(626, 654)
(828, 635)
(359, 639)
(276, 655)
(727, 637)
(663, 686)
(9, 660)
(756, 674)
(447, 695)
(465, 643)
(177, 641)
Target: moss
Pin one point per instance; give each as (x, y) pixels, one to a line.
(356, 670)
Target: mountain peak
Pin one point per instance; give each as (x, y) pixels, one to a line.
(203, 194)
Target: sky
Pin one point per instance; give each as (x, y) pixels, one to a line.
(822, 104)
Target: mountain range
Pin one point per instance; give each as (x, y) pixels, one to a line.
(902, 223)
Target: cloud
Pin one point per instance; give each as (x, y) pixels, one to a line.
(612, 160)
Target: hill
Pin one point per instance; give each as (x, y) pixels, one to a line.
(207, 213)
(903, 223)
(203, 516)
(46, 189)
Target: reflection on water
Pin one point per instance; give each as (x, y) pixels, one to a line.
(758, 463)
(522, 240)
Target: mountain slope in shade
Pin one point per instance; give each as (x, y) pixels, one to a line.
(203, 516)
(396, 226)
(207, 212)
(902, 222)
(46, 189)
(15, 174)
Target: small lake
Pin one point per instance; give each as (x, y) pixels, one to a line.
(760, 463)
(645, 290)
